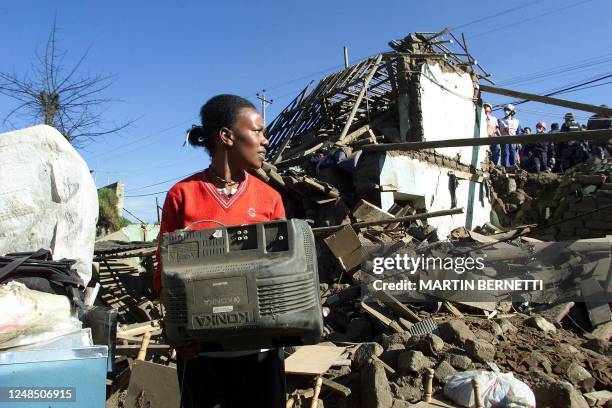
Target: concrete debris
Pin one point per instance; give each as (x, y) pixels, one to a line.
(406, 392)
(365, 352)
(359, 198)
(443, 370)
(429, 344)
(598, 345)
(456, 332)
(395, 339)
(376, 392)
(480, 350)
(541, 323)
(507, 327)
(413, 361)
(598, 398)
(460, 361)
(558, 394)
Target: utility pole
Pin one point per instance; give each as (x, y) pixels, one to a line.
(345, 57)
(264, 102)
(157, 208)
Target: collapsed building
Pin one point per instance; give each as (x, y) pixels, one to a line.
(420, 91)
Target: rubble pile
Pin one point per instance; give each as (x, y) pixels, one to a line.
(389, 365)
(392, 345)
(380, 351)
(520, 198)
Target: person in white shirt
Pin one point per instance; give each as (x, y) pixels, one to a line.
(510, 126)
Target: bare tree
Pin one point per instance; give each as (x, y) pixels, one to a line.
(60, 96)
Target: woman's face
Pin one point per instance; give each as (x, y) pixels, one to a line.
(249, 142)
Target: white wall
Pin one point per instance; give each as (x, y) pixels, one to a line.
(448, 110)
(417, 178)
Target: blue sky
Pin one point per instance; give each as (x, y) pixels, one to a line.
(169, 59)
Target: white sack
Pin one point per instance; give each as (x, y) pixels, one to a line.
(30, 316)
(496, 390)
(48, 198)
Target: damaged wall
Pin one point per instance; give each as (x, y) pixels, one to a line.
(405, 177)
(412, 178)
(448, 109)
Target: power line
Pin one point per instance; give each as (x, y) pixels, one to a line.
(490, 16)
(141, 221)
(557, 71)
(141, 170)
(146, 195)
(163, 182)
(552, 69)
(159, 133)
(529, 19)
(592, 86)
(565, 89)
(577, 85)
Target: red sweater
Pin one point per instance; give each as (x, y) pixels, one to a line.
(197, 198)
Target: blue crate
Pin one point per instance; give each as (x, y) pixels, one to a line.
(64, 378)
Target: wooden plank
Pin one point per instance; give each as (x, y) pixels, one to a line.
(364, 88)
(384, 320)
(296, 102)
(392, 303)
(343, 362)
(451, 308)
(312, 360)
(388, 369)
(547, 99)
(294, 161)
(336, 387)
(138, 339)
(599, 135)
(366, 211)
(324, 230)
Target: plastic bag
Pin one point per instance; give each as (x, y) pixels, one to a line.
(29, 316)
(496, 390)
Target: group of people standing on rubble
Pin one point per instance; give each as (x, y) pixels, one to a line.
(543, 156)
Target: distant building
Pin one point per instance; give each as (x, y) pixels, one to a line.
(119, 188)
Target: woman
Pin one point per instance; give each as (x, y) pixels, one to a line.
(232, 132)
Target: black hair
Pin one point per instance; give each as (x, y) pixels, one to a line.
(554, 126)
(218, 112)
